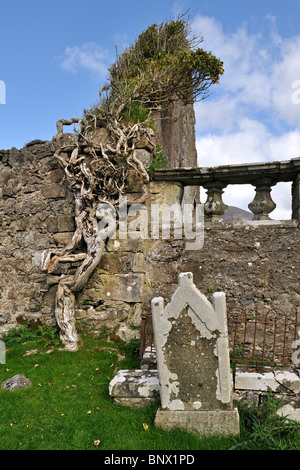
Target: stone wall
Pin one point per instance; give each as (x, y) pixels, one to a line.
(36, 213)
(255, 264)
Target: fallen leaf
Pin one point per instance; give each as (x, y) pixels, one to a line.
(146, 427)
(32, 351)
(97, 442)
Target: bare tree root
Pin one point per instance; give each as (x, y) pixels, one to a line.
(97, 173)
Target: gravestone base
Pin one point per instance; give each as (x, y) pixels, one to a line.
(202, 423)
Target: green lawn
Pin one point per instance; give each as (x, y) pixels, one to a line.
(69, 408)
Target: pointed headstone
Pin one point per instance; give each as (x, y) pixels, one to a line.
(193, 363)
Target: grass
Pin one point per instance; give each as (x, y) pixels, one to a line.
(69, 407)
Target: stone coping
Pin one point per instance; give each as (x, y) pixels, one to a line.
(250, 224)
(285, 379)
(201, 423)
(248, 173)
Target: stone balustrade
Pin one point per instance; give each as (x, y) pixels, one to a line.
(263, 176)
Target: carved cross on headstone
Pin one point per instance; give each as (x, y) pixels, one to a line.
(193, 361)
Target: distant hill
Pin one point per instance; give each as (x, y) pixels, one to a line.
(236, 214)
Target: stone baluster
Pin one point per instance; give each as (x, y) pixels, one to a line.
(214, 207)
(262, 204)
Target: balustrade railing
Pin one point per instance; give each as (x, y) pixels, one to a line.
(263, 176)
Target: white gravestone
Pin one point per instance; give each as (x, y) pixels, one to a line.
(193, 362)
(2, 352)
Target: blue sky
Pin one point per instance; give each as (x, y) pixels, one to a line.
(54, 58)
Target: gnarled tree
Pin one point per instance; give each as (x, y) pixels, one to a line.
(164, 65)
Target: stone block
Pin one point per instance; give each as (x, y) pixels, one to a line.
(53, 191)
(125, 287)
(16, 382)
(63, 238)
(65, 223)
(202, 423)
(138, 263)
(290, 411)
(123, 243)
(144, 156)
(165, 193)
(114, 263)
(267, 378)
(56, 175)
(60, 224)
(135, 182)
(134, 387)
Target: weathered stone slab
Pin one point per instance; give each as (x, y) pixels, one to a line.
(138, 263)
(290, 411)
(192, 352)
(202, 423)
(53, 191)
(123, 243)
(135, 387)
(267, 378)
(125, 287)
(63, 238)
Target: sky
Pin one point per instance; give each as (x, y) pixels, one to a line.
(54, 58)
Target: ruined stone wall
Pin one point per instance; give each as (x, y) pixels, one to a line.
(36, 212)
(255, 265)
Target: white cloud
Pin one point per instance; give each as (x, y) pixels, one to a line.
(250, 144)
(247, 145)
(89, 56)
(241, 121)
(285, 73)
(260, 70)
